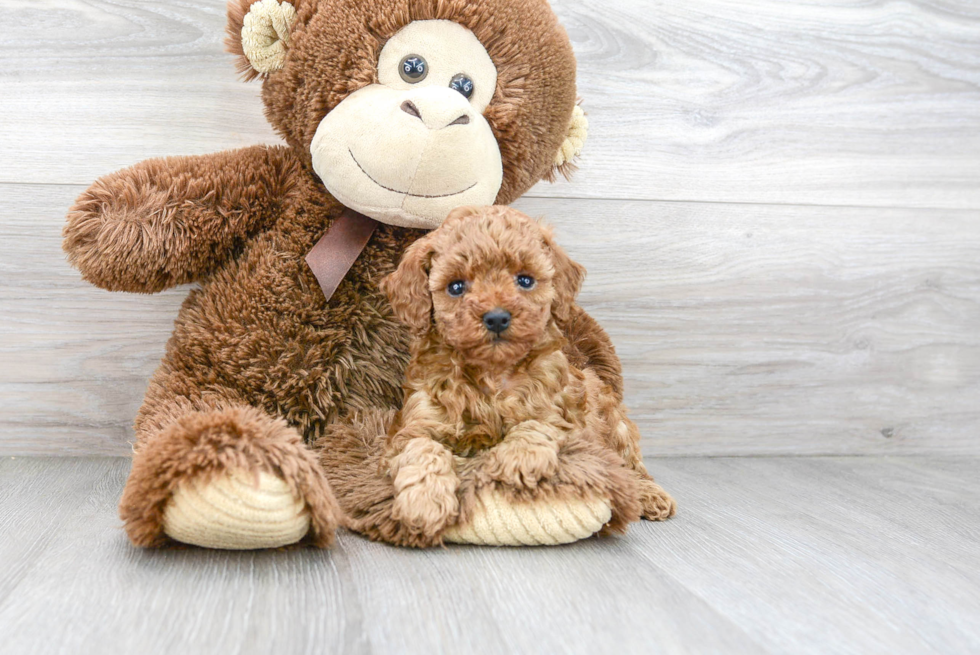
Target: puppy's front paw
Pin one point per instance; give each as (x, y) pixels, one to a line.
(524, 458)
(426, 508)
(425, 487)
(657, 503)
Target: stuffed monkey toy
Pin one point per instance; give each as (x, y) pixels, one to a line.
(393, 113)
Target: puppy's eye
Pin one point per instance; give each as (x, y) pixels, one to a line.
(525, 282)
(463, 84)
(413, 69)
(456, 288)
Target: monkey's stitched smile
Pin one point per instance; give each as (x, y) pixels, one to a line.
(406, 193)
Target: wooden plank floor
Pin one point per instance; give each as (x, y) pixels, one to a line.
(767, 555)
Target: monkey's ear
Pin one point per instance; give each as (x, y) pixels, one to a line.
(259, 33)
(408, 287)
(571, 147)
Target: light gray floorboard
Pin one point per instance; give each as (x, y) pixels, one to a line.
(777, 555)
(743, 329)
(836, 102)
(876, 553)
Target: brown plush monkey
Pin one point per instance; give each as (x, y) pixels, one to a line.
(399, 110)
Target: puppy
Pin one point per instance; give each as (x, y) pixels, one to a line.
(487, 375)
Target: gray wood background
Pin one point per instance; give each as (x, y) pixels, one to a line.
(779, 206)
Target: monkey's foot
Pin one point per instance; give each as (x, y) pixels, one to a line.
(499, 521)
(233, 478)
(236, 511)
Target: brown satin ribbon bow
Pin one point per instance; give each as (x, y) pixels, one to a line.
(339, 248)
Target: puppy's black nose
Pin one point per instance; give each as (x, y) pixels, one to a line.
(497, 320)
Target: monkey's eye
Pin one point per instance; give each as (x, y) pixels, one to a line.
(462, 84)
(525, 282)
(456, 288)
(413, 69)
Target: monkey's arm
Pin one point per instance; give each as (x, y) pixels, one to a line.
(589, 347)
(169, 221)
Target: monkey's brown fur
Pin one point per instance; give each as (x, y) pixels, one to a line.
(505, 405)
(259, 362)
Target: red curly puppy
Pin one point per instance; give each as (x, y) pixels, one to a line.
(487, 371)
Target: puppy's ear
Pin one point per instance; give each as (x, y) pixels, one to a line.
(407, 287)
(568, 277)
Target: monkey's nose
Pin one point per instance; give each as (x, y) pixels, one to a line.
(497, 320)
(434, 120)
(409, 108)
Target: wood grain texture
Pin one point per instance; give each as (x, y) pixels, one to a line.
(838, 103)
(828, 555)
(831, 102)
(744, 328)
(814, 555)
(793, 330)
(753, 329)
(781, 330)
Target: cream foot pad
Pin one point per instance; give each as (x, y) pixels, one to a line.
(232, 512)
(499, 522)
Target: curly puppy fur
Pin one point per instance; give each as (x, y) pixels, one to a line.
(259, 361)
(510, 397)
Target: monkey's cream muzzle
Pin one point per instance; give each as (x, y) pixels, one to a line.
(407, 157)
(412, 147)
(407, 167)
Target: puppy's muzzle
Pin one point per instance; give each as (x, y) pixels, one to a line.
(497, 320)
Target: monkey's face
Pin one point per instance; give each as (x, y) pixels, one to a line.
(413, 146)
(407, 109)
